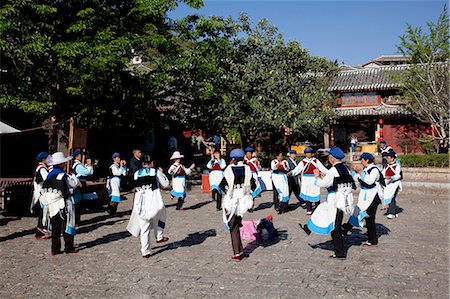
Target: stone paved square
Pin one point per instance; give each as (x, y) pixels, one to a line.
(410, 262)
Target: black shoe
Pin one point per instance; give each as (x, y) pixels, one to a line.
(305, 229)
(333, 256)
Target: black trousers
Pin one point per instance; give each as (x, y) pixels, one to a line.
(58, 227)
(218, 198)
(180, 202)
(40, 226)
(236, 242)
(336, 235)
(294, 187)
(370, 221)
(276, 200)
(311, 206)
(393, 205)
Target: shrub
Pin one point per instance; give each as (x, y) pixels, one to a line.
(431, 160)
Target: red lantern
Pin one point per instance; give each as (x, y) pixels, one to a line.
(381, 121)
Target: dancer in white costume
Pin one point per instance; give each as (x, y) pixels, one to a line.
(238, 198)
(279, 169)
(40, 175)
(309, 191)
(217, 165)
(252, 161)
(149, 211)
(393, 177)
(371, 182)
(327, 218)
(178, 173)
(116, 172)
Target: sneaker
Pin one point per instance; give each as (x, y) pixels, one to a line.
(56, 252)
(146, 256)
(309, 213)
(368, 244)
(391, 216)
(71, 251)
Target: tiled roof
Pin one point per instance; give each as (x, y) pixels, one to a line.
(366, 79)
(381, 110)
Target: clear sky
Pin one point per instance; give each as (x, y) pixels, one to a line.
(353, 32)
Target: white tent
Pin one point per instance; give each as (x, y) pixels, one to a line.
(7, 129)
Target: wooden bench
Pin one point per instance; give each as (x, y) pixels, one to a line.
(8, 184)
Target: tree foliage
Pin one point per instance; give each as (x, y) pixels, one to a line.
(62, 57)
(426, 82)
(222, 74)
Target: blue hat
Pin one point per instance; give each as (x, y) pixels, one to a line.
(42, 156)
(308, 150)
(367, 156)
(292, 152)
(336, 152)
(383, 142)
(237, 154)
(115, 155)
(77, 152)
(391, 153)
(249, 149)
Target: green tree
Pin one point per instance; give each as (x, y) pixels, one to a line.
(273, 85)
(66, 57)
(426, 81)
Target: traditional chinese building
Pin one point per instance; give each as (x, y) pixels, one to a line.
(371, 107)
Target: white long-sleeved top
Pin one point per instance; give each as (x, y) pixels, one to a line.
(149, 171)
(328, 179)
(175, 168)
(220, 161)
(301, 167)
(366, 177)
(275, 164)
(392, 170)
(117, 170)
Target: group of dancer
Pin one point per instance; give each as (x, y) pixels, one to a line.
(234, 187)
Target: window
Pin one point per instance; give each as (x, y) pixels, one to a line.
(359, 99)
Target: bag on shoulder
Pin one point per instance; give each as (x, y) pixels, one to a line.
(344, 199)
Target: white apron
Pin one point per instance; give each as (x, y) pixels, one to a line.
(390, 189)
(257, 190)
(281, 184)
(324, 216)
(215, 177)
(309, 191)
(365, 199)
(179, 187)
(113, 187)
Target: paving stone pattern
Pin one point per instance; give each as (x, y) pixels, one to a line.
(411, 260)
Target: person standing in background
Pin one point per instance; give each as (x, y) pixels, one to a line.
(40, 175)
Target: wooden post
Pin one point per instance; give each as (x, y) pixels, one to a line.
(70, 145)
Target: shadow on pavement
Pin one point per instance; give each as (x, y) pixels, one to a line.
(190, 240)
(355, 239)
(263, 206)
(18, 235)
(198, 205)
(87, 229)
(282, 235)
(103, 218)
(105, 239)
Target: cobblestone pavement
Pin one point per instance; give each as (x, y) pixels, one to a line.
(410, 262)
